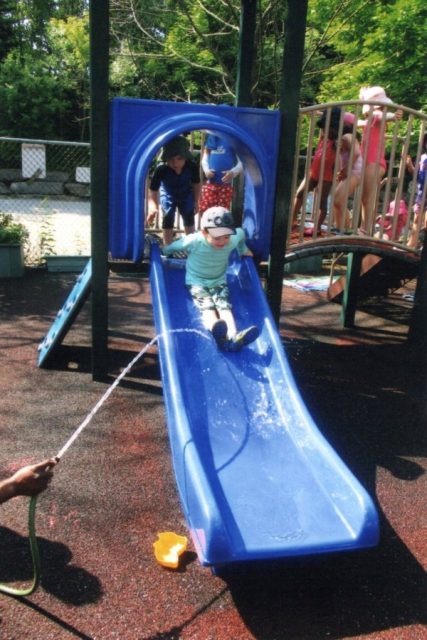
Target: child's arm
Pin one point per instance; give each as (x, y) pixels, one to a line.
(233, 172)
(176, 245)
(397, 115)
(153, 205)
(242, 247)
(209, 173)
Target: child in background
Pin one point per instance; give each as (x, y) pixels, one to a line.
(348, 176)
(175, 185)
(385, 228)
(328, 140)
(373, 150)
(420, 199)
(208, 253)
(220, 165)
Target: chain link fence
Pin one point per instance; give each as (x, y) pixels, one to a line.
(45, 185)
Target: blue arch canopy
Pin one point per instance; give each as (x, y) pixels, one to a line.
(140, 127)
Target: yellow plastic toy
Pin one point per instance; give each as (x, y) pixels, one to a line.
(168, 547)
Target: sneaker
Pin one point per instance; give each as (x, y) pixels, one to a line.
(244, 337)
(219, 332)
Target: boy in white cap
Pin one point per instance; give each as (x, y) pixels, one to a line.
(208, 252)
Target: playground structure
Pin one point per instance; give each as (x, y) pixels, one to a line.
(328, 508)
(256, 478)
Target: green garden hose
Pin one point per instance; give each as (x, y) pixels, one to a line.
(32, 509)
(35, 556)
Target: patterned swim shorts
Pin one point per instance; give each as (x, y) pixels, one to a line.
(210, 297)
(214, 195)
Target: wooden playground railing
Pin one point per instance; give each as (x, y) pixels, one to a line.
(403, 140)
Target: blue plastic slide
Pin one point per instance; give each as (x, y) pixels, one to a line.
(256, 478)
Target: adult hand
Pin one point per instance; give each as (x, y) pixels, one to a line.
(32, 479)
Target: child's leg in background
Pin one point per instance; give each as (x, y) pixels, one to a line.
(186, 210)
(371, 182)
(168, 211)
(344, 190)
(324, 189)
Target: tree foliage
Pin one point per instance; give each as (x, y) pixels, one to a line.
(44, 90)
(188, 50)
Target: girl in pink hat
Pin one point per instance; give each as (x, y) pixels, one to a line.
(373, 149)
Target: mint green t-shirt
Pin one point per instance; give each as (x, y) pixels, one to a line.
(206, 266)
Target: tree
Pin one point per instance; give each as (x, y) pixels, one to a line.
(380, 44)
(47, 95)
(188, 50)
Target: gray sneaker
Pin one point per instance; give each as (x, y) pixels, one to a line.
(244, 337)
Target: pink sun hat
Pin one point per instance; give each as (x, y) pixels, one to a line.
(373, 93)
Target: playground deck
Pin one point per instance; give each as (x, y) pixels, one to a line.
(114, 490)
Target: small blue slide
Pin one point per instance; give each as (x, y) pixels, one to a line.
(256, 478)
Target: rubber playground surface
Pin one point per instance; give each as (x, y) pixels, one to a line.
(114, 489)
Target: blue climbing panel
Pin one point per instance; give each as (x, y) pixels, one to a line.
(66, 315)
(140, 127)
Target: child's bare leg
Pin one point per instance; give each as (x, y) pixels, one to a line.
(227, 316)
(167, 236)
(371, 180)
(414, 234)
(297, 203)
(343, 189)
(323, 207)
(209, 317)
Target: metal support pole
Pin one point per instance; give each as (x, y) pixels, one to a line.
(289, 107)
(245, 60)
(417, 336)
(99, 56)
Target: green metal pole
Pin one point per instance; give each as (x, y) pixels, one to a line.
(289, 107)
(417, 335)
(245, 60)
(99, 122)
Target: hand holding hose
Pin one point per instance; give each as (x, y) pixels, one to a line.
(28, 481)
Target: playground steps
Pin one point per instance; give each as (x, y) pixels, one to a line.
(378, 277)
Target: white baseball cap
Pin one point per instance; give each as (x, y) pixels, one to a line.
(218, 221)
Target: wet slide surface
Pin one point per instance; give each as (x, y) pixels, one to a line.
(256, 478)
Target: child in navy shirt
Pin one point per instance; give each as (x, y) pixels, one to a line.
(175, 185)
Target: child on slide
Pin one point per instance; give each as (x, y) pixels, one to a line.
(208, 252)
